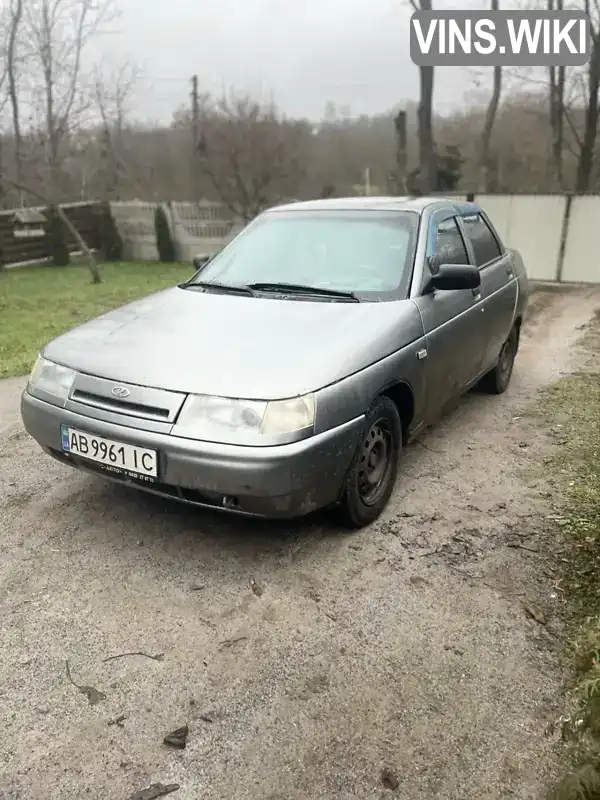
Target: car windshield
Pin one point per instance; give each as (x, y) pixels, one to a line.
(363, 252)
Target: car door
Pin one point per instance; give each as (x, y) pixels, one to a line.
(452, 320)
(499, 286)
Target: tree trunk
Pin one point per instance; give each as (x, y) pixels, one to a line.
(427, 173)
(13, 90)
(486, 134)
(427, 170)
(586, 154)
(556, 102)
(556, 114)
(401, 157)
(2, 191)
(488, 124)
(92, 265)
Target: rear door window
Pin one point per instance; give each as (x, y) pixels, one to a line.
(484, 243)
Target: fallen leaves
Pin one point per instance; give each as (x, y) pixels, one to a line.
(177, 738)
(389, 779)
(535, 613)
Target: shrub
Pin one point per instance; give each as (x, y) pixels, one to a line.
(111, 244)
(164, 240)
(57, 239)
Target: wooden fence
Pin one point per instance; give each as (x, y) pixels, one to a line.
(19, 249)
(196, 228)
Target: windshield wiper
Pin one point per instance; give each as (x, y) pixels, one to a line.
(299, 288)
(219, 287)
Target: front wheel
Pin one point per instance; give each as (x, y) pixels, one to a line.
(497, 379)
(372, 474)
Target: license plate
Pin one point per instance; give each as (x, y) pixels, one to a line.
(114, 456)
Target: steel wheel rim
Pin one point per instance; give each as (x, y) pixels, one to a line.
(375, 462)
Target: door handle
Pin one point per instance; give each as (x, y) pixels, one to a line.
(476, 294)
(509, 272)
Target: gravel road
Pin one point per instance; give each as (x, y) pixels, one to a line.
(404, 660)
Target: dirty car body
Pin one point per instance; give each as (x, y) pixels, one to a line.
(249, 387)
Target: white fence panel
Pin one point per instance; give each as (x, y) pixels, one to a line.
(582, 262)
(532, 224)
(200, 228)
(454, 198)
(135, 223)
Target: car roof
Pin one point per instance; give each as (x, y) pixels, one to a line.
(417, 204)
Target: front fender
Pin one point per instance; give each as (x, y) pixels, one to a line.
(351, 397)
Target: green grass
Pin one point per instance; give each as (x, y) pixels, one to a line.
(38, 303)
(572, 411)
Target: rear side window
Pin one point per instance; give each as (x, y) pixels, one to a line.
(483, 241)
(449, 244)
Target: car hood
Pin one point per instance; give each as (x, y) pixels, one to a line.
(257, 348)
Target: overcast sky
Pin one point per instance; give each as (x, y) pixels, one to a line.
(306, 53)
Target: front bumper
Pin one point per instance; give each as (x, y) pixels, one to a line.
(279, 482)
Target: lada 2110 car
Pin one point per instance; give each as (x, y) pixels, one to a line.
(289, 371)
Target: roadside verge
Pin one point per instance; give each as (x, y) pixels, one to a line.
(571, 412)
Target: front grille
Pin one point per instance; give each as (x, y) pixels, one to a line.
(120, 407)
(159, 406)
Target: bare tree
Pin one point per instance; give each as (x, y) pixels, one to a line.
(488, 123)
(592, 85)
(112, 95)
(556, 103)
(401, 154)
(15, 19)
(56, 35)
(427, 160)
(250, 155)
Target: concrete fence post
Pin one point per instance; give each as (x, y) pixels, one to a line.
(564, 232)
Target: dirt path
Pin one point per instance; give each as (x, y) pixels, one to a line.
(406, 646)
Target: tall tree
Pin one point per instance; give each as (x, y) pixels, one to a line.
(592, 86)
(401, 173)
(427, 165)
(56, 35)
(491, 112)
(250, 154)
(556, 108)
(112, 94)
(12, 63)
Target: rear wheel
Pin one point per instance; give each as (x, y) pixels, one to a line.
(372, 474)
(496, 381)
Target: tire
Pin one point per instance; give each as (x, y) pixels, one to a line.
(496, 381)
(365, 494)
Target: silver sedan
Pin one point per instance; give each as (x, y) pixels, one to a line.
(289, 372)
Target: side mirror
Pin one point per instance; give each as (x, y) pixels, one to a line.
(200, 261)
(456, 276)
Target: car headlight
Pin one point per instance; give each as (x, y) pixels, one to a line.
(226, 419)
(54, 379)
